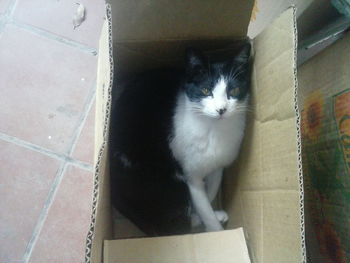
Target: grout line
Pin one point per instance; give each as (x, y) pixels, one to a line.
(11, 8)
(6, 16)
(81, 165)
(44, 212)
(45, 151)
(52, 36)
(87, 107)
(31, 146)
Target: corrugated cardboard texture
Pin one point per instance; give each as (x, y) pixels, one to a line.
(154, 20)
(216, 247)
(325, 100)
(140, 56)
(103, 83)
(267, 11)
(266, 176)
(101, 226)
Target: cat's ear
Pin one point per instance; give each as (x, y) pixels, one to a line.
(244, 54)
(195, 60)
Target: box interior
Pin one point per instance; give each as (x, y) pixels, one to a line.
(262, 191)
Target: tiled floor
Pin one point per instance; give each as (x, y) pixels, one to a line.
(47, 94)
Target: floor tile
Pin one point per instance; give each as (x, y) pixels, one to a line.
(44, 87)
(25, 180)
(3, 5)
(84, 150)
(56, 17)
(62, 238)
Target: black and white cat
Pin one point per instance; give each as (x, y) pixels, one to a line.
(172, 134)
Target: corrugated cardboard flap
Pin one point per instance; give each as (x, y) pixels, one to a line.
(224, 247)
(268, 200)
(100, 226)
(154, 20)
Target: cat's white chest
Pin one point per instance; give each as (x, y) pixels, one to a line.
(203, 145)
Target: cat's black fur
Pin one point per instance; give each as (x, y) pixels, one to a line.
(143, 172)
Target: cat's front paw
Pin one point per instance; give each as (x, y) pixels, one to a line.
(221, 215)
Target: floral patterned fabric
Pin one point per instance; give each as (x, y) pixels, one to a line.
(325, 128)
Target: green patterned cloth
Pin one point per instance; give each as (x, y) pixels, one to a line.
(326, 164)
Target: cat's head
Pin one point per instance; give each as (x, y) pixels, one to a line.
(217, 90)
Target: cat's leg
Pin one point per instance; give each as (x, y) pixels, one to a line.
(213, 182)
(202, 205)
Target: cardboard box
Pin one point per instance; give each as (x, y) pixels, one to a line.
(263, 190)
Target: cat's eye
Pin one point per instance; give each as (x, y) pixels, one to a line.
(206, 91)
(234, 92)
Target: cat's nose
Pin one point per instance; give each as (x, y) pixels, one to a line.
(221, 111)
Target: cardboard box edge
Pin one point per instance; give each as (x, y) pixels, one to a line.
(100, 151)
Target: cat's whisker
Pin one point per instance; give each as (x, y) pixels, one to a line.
(234, 74)
(197, 111)
(246, 110)
(245, 106)
(209, 72)
(238, 68)
(240, 111)
(237, 74)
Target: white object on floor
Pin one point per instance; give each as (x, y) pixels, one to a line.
(79, 16)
